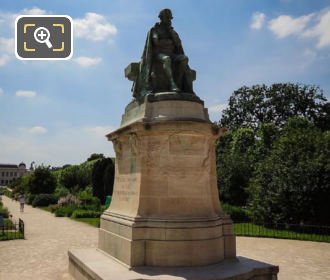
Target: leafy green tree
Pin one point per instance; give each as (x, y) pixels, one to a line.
(249, 107)
(41, 181)
(234, 165)
(292, 183)
(76, 177)
(103, 178)
(95, 156)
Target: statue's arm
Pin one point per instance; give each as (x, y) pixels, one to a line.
(154, 37)
(175, 37)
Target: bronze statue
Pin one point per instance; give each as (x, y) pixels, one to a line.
(163, 66)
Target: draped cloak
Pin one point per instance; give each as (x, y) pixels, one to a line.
(143, 80)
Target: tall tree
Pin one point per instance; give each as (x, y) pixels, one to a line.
(291, 183)
(95, 156)
(249, 107)
(103, 178)
(41, 181)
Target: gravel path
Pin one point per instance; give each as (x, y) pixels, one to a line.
(43, 255)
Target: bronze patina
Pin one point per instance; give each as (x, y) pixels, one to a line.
(164, 65)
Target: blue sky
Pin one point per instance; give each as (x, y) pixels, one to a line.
(57, 112)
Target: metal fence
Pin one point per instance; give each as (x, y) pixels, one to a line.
(10, 229)
(287, 231)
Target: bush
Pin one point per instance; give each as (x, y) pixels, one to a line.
(68, 200)
(61, 192)
(80, 213)
(4, 212)
(237, 214)
(4, 191)
(52, 208)
(44, 200)
(59, 212)
(88, 201)
(29, 198)
(65, 211)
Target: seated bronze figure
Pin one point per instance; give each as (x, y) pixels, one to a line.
(163, 66)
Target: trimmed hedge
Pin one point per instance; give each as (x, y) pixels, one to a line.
(236, 213)
(44, 200)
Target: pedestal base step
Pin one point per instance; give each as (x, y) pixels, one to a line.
(92, 264)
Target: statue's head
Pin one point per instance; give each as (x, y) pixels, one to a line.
(165, 16)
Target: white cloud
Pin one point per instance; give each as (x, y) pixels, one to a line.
(285, 25)
(4, 59)
(9, 17)
(310, 53)
(258, 20)
(85, 61)
(218, 108)
(26, 93)
(99, 130)
(321, 30)
(33, 11)
(1, 91)
(93, 27)
(7, 46)
(38, 130)
(66, 145)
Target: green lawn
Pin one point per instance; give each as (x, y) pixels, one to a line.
(249, 229)
(10, 236)
(46, 208)
(7, 223)
(91, 221)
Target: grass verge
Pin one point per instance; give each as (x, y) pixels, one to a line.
(95, 222)
(10, 235)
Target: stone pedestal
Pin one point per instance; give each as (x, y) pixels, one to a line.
(165, 209)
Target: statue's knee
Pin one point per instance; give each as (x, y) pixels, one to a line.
(183, 60)
(166, 59)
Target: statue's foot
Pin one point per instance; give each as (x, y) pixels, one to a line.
(175, 88)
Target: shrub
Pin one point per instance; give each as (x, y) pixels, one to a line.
(4, 212)
(236, 213)
(5, 191)
(43, 200)
(88, 201)
(59, 212)
(61, 192)
(65, 211)
(68, 200)
(80, 213)
(29, 198)
(52, 208)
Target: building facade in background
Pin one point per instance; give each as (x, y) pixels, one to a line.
(9, 172)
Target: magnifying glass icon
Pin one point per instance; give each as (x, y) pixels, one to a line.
(41, 35)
